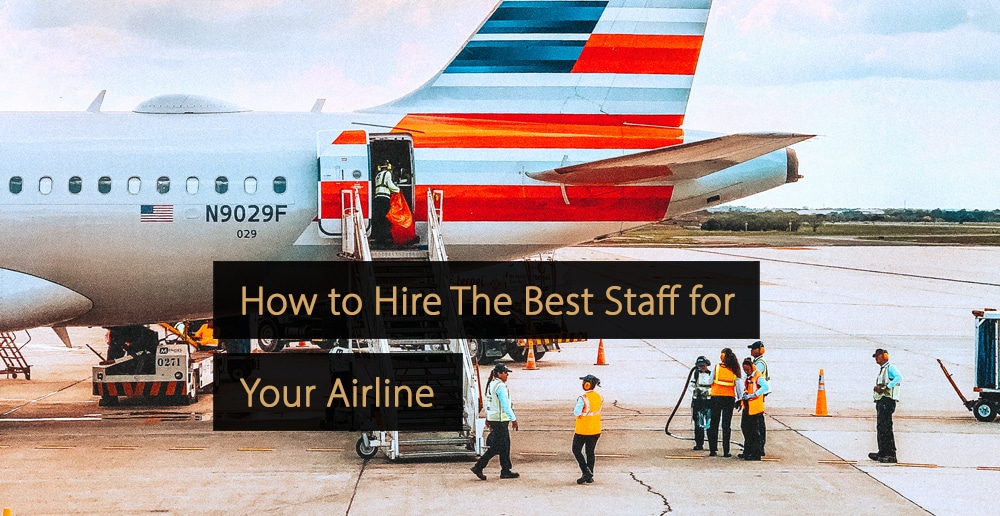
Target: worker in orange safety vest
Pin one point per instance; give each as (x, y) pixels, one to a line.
(588, 427)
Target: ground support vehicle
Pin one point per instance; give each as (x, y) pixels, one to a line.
(987, 367)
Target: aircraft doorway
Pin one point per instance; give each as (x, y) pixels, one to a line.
(396, 151)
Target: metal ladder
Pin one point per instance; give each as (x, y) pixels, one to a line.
(469, 442)
(12, 357)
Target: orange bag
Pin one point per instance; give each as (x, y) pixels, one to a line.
(403, 230)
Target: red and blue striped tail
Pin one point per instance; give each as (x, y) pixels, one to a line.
(572, 61)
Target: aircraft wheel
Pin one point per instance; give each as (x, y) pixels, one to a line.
(365, 450)
(984, 410)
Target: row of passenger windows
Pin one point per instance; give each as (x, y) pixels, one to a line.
(134, 185)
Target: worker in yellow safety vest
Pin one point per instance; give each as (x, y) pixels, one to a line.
(499, 415)
(752, 404)
(723, 401)
(588, 427)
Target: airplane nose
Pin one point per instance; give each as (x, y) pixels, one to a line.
(29, 302)
(793, 166)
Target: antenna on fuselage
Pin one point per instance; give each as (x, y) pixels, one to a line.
(95, 106)
(318, 106)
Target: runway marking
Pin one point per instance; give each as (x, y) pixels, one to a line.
(915, 465)
(839, 462)
(543, 454)
(255, 449)
(684, 457)
(183, 448)
(121, 447)
(53, 447)
(770, 459)
(612, 455)
(325, 449)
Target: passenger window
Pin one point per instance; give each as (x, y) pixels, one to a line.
(279, 184)
(163, 184)
(16, 183)
(192, 185)
(104, 184)
(221, 184)
(75, 184)
(250, 185)
(45, 185)
(134, 184)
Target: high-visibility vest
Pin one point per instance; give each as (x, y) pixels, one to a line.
(761, 365)
(589, 422)
(382, 181)
(883, 379)
(494, 412)
(724, 383)
(754, 406)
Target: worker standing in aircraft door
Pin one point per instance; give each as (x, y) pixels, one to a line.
(384, 188)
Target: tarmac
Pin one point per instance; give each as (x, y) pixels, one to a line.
(821, 308)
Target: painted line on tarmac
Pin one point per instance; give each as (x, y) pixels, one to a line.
(53, 447)
(19, 407)
(185, 448)
(39, 419)
(988, 468)
(684, 457)
(539, 453)
(839, 462)
(255, 449)
(4, 446)
(915, 465)
(325, 449)
(121, 447)
(613, 455)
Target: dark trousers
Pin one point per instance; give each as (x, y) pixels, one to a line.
(884, 408)
(590, 442)
(381, 228)
(722, 413)
(499, 440)
(753, 435)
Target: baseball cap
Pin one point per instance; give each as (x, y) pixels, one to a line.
(702, 361)
(501, 368)
(756, 345)
(878, 352)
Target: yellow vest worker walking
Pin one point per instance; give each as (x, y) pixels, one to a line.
(588, 427)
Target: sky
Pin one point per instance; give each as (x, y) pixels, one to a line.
(904, 95)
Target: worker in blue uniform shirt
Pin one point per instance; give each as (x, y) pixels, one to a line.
(886, 396)
(751, 401)
(499, 414)
(757, 352)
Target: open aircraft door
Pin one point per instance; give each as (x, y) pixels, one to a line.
(343, 166)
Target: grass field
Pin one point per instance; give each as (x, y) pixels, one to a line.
(841, 233)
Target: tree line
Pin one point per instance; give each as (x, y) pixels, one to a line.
(791, 221)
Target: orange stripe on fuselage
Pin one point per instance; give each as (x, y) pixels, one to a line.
(639, 54)
(502, 132)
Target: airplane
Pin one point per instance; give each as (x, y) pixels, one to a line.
(556, 123)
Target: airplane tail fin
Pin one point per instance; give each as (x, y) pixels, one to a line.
(603, 62)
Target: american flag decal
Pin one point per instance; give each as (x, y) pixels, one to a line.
(156, 213)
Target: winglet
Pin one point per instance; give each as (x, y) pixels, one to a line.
(318, 106)
(95, 106)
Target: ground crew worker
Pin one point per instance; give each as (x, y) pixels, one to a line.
(723, 401)
(752, 423)
(757, 352)
(886, 395)
(588, 427)
(499, 414)
(701, 411)
(384, 188)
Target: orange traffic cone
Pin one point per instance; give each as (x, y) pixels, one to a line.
(600, 354)
(531, 366)
(821, 397)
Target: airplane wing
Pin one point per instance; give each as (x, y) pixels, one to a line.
(677, 162)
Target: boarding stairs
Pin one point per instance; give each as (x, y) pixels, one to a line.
(425, 336)
(12, 358)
